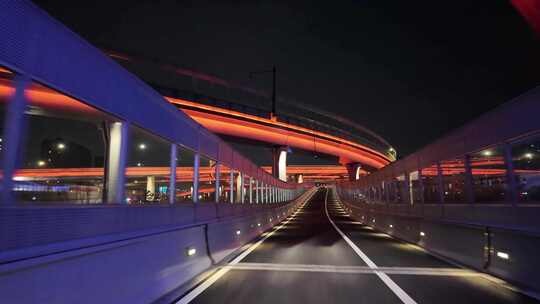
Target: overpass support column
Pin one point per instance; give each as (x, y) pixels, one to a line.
(354, 171)
(116, 162)
(150, 187)
(13, 136)
(239, 188)
(279, 162)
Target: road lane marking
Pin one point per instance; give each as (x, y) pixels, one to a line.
(224, 269)
(428, 271)
(400, 293)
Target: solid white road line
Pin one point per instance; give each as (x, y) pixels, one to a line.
(400, 293)
(223, 270)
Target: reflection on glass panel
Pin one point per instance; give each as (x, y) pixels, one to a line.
(371, 194)
(238, 190)
(184, 174)
(384, 191)
(207, 180)
(6, 92)
(526, 161)
(64, 150)
(414, 188)
(246, 189)
(430, 183)
(148, 168)
(400, 189)
(453, 176)
(391, 191)
(224, 184)
(489, 175)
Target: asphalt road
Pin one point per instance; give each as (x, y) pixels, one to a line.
(320, 255)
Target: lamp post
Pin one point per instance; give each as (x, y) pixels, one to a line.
(273, 71)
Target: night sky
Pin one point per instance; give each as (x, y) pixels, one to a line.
(409, 70)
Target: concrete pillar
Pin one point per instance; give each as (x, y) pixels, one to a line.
(279, 162)
(172, 176)
(116, 162)
(239, 187)
(354, 171)
(13, 137)
(217, 191)
(196, 164)
(150, 187)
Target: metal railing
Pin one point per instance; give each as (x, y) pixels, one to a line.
(482, 172)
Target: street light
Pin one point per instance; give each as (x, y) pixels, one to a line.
(142, 146)
(273, 71)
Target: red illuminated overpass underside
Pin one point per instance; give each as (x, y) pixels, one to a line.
(228, 122)
(272, 131)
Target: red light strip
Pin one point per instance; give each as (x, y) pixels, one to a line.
(280, 124)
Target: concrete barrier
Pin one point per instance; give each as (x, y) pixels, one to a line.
(510, 254)
(121, 254)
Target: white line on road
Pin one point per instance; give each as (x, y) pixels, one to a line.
(400, 293)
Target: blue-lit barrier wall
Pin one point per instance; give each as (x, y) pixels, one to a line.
(472, 196)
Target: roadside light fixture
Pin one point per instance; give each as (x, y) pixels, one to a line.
(142, 146)
(191, 251)
(41, 163)
(61, 146)
(503, 255)
(422, 233)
